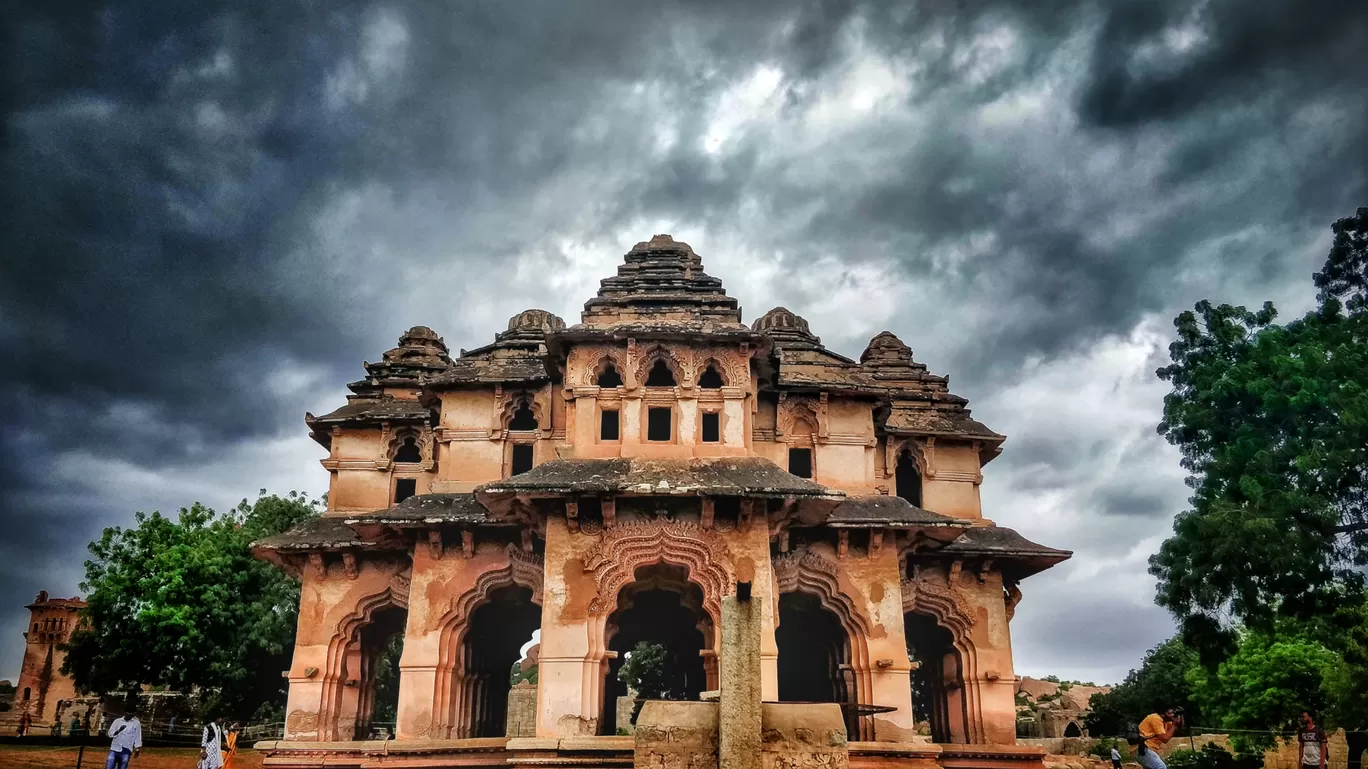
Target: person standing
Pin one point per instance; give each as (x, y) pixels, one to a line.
(1116, 757)
(1155, 732)
(211, 745)
(1311, 743)
(125, 734)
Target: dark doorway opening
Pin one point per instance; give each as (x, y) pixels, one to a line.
(659, 606)
(610, 377)
(710, 379)
(522, 458)
(381, 641)
(660, 375)
(608, 425)
(658, 424)
(938, 682)
(495, 636)
(1072, 730)
(908, 479)
(523, 418)
(408, 451)
(404, 488)
(712, 427)
(814, 653)
(800, 462)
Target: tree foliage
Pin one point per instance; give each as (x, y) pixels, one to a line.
(1272, 424)
(181, 603)
(1264, 686)
(1159, 683)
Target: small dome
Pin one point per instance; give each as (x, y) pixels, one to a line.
(780, 317)
(886, 348)
(535, 320)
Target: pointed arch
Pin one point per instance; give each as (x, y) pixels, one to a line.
(713, 375)
(659, 354)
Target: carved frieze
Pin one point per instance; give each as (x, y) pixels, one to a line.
(938, 596)
(613, 560)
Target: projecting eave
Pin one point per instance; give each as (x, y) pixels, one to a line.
(662, 330)
(1016, 556)
(328, 533)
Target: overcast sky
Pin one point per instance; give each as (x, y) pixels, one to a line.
(213, 212)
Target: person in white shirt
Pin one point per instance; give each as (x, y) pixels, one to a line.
(125, 734)
(211, 745)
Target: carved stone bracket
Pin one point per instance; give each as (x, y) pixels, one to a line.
(349, 564)
(1011, 596)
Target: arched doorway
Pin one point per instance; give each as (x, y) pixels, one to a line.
(661, 605)
(492, 644)
(814, 654)
(359, 683)
(907, 478)
(938, 681)
(1072, 730)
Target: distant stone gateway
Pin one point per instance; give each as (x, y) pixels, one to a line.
(618, 481)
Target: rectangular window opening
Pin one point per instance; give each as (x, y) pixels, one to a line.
(658, 424)
(800, 462)
(404, 488)
(522, 458)
(712, 427)
(608, 425)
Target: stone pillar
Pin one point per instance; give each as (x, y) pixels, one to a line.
(890, 669)
(568, 675)
(739, 698)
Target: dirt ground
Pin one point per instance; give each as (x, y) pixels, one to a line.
(36, 757)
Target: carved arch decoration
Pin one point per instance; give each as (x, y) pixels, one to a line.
(614, 559)
(722, 365)
(522, 570)
(940, 598)
(395, 594)
(809, 572)
(921, 450)
(647, 359)
(422, 438)
(793, 409)
(602, 360)
(507, 405)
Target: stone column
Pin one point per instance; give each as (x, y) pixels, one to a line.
(568, 675)
(739, 700)
(890, 670)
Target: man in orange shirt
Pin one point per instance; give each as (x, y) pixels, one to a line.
(1155, 732)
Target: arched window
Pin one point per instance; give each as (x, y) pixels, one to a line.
(523, 419)
(710, 379)
(609, 377)
(1072, 730)
(660, 375)
(409, 451)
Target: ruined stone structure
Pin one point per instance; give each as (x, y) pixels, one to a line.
(1050, 709)
(42, 689)
(611, 482)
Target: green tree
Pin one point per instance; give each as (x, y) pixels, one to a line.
(1265, 685)
(1159, 683)
(648, 672)
(181, 603)
(1272, 424)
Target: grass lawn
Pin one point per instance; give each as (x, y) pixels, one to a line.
(43, 757)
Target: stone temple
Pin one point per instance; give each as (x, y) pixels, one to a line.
(618, 481)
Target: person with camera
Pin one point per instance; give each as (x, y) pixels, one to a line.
(1155, 732)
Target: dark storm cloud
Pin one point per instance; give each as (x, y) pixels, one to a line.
(215, 211)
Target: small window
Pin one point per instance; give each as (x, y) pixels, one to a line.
(660, 375)
(608, 425)
(712, 427)
(523, 419)
(800, 462)
(35, 627)
(710, 380)
(27, 693)
(658, 424)
(522, 458)
(404, 488)
(409, 452)
(610, 377)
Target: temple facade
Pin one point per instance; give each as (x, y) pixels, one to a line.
(610, 482)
